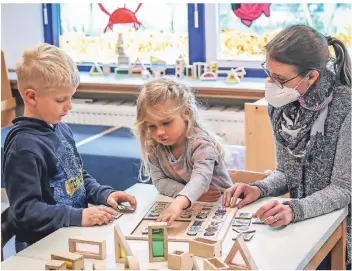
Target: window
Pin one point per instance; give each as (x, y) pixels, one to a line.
(238, 42)
(166, 31)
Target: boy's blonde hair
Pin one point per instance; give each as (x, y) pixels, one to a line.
(181, 98)
(45, 68)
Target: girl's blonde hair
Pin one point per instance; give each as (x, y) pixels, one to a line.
(181, 97)
(45, 68)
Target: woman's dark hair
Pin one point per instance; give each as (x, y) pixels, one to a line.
(307, 49)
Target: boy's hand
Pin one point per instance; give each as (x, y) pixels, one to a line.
(174, 210)
(213, 194)
(97, 215)
(118, 196)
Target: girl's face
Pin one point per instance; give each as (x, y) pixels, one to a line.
(167, 129)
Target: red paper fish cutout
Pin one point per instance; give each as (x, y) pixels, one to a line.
(250, 12)
(121, 16)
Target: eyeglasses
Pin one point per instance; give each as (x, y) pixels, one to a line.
(276, 81)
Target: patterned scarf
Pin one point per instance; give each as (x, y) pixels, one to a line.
(296, 125)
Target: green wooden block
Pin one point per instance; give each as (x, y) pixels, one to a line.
(158, 243)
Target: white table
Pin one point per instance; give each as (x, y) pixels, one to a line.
(297, 246)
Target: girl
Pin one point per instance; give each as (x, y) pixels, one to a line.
(182, 157)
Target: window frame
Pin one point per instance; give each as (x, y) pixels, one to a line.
(211, 31)
(196, 36)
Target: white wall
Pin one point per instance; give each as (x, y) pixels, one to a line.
(21, 27)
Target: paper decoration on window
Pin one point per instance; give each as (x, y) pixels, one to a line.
(250, 12)
(121, 16)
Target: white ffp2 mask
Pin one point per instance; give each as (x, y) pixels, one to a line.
(278, 97)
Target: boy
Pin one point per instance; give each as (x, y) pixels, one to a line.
(43, 172)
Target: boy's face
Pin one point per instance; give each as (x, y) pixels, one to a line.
(52, 106)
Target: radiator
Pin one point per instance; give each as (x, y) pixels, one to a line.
(227, 121)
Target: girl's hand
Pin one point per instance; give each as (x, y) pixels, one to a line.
(213, 194)
(275, 214)
(175, 209)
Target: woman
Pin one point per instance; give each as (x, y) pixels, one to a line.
(309, 97)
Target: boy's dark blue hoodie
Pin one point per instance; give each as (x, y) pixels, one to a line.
(45, 180)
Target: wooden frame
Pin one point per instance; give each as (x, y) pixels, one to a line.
(184, 238)
(55, 265)
(72, 244)
(214, 264)
(153, 227)
(122, 249)
(180, 260)
(132, 263)
(73, 261)
(204, 247)
(240, 246)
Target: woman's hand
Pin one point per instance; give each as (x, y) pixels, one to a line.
(247, 192)
(275, 214)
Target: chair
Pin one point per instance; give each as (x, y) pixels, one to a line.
(6, 229)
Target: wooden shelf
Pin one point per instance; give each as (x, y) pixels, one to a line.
(248, 89)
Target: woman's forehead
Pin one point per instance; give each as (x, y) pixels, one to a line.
(279, 68)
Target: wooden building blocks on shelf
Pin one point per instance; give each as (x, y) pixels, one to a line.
(95, 69)
(180, 67)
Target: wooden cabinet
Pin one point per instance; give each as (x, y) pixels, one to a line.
(259, 141)
(8, 103)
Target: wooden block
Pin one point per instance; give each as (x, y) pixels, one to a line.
(132, 263)
(100, 245)
(205, 248)
(73, 261)
(55, 265)
(214, 264)
(155, 231)
(180, 260)
(98, 266)
(234, 260)
(195, 265)
(122, 249)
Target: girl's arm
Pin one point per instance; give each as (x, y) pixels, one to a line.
(164, 184)
(204, 158)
